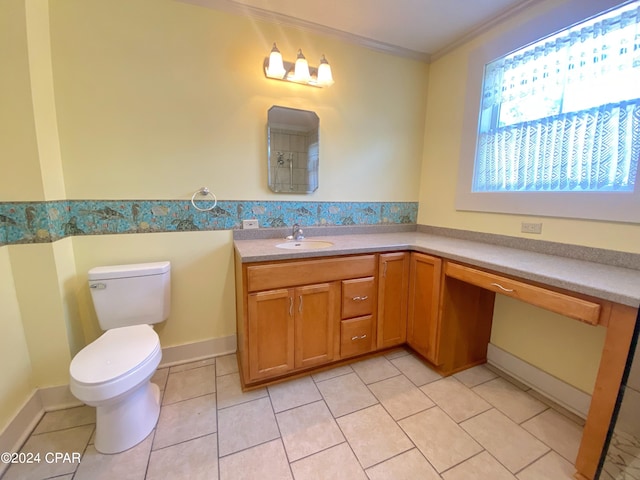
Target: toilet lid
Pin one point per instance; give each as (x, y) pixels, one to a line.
(115, 353)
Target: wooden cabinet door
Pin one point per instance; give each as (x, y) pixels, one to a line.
(315, 318)
(271, 333)
(393, 288)
(423, 327)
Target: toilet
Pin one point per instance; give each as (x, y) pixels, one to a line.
(113, 373)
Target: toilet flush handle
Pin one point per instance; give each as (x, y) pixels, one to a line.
(98, 286)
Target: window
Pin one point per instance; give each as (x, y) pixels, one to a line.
(564, 113)
(559, 123)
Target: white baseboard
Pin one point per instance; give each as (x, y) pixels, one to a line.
(48, 399)
(191, 352)
(560, 392)
(20, 427)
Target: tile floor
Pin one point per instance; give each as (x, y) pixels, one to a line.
(388, 417)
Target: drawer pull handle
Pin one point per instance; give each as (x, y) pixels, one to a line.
(291, 306)
(502, 288)
(361, 337)
(360, 299)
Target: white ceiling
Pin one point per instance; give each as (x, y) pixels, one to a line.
(420, 29)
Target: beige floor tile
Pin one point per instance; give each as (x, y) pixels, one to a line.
(507, 441)
(510, 400)
(375, 369)
(226, 364)
(480, 467)
(70, 417)
(336, 463)
(191, 460)
(551, 466)
(373, 435)
(246, 425)
(72, 440)
(475, 375)
(332, 373)
(457, 400)
(410, 465)
(265, 462)
(439, 438)
(416, 370)
(160, 378)
(400, 397)
(185, 420)
(190, 383)
(557, 431)
(308, 429)
(128, 465)
(191, 365)
(346, 394)
(229, 391)
(293, 393)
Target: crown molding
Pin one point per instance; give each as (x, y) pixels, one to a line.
(234, 7)
(280, 19)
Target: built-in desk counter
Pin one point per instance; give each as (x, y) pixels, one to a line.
(591, 292)
(619, 285)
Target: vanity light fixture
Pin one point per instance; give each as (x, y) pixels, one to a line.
(299, 72)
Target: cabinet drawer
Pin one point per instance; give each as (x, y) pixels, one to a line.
(570, 306)
(357, 297)
(356, 336)
(269, 276)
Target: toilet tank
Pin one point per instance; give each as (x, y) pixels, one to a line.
(125, 295)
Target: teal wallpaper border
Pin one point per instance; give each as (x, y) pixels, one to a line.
(41, 222)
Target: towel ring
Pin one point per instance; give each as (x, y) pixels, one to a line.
(204, 191)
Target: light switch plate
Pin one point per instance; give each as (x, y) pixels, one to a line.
(249, 224)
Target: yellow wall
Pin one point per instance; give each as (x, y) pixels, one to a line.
(202, 279)
(18, 149)
(175, 97)
(443, 136)
(16, 382)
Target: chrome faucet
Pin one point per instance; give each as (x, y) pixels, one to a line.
(296, 233)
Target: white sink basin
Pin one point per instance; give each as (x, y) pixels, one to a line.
(304, 244)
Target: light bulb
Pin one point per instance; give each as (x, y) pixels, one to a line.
(325, 78)
(302, 69)
(275, 68)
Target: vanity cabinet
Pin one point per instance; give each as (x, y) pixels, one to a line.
(297, 314)
(393, 294)
(423, 321)
(291, 328)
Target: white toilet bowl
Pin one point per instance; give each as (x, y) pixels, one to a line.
(113, 374)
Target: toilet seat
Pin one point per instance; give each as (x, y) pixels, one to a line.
(117, 361)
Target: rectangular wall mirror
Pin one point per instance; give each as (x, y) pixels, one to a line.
(293, 150)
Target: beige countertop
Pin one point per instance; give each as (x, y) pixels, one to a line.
(616, 284)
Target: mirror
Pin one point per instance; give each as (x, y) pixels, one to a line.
(293, 150)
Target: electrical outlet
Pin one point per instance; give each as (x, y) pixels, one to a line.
(531, 228)
(249, 224)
